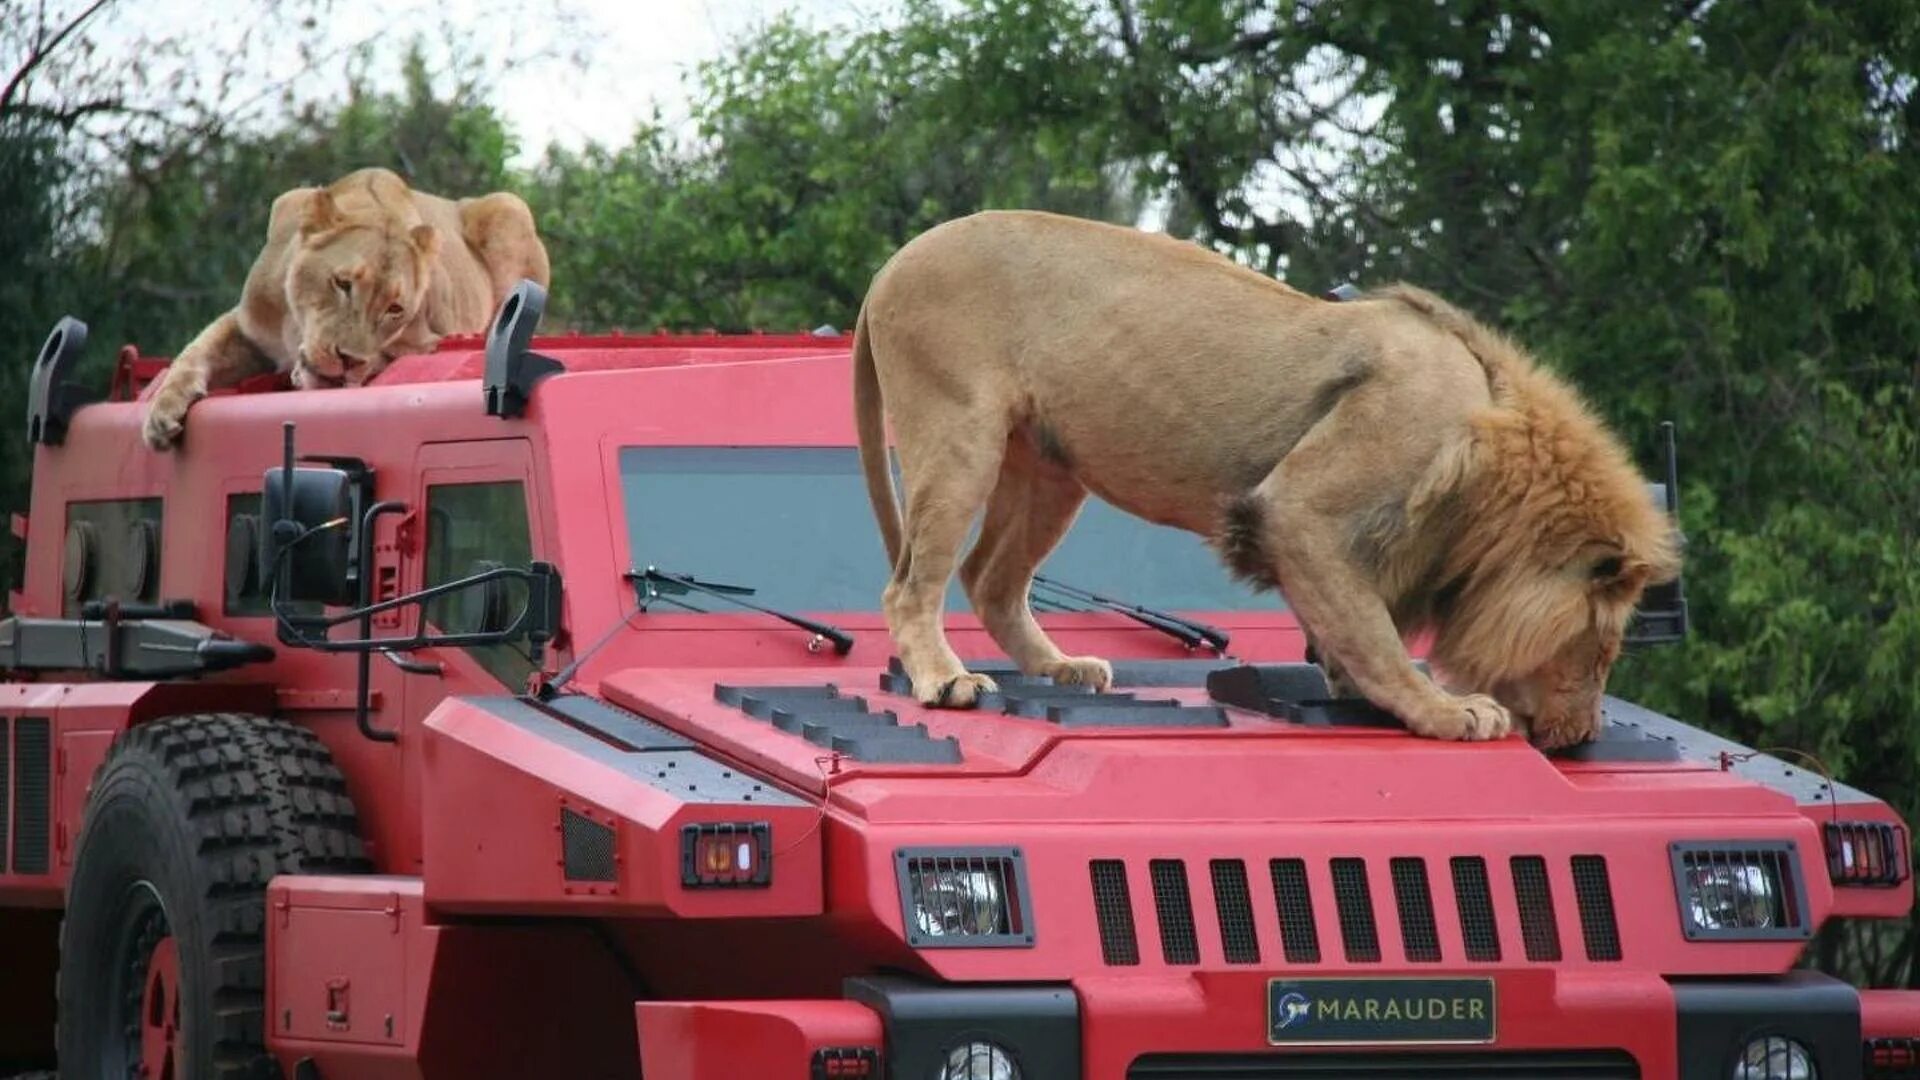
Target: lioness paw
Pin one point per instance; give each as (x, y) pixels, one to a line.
(1088, 671)
(960, 692)
(1470, 718)
(166, 419)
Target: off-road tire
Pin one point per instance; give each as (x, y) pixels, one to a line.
(187, 821)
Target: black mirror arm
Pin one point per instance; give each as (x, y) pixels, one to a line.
(363, 691)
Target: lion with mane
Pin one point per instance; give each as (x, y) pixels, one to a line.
(353, 275)
(1388, 464)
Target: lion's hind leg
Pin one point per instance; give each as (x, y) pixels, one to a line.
(1032, 507)
(949, 466)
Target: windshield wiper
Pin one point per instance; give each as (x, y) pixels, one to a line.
(656, 583)
(1189, 632)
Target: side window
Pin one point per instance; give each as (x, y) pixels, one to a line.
(112, 549)
(472, 528)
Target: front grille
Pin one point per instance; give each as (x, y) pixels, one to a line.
(1465, 1065)
(1178, 942)
(1299, 940)
(1890, 1059)
(1354, 902)
(1235, 909)
(1539, 927)
(32, 794)
(1294, 919)
(1113, 910)
(1594, 895)
(1474, 898)
(1414, 900)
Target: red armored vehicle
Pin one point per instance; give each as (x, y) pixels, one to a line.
(527, 714)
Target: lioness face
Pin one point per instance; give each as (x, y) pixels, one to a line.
(354, 293)
(1542, 641)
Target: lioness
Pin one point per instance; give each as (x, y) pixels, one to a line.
(1387, 463)
(353, 275)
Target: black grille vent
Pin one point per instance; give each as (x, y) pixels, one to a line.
(1594, 895)
(1299, 941)
(1475, 901)
(6, 794)
(1539, 929)
(33, 794)
(1414, 899)
(1113, 909)
(1171, 902)
(1355, 906)
(1391, 1065)
(586, 848)
(1235, 908)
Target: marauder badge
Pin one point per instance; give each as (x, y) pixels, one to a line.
(1380, 1010)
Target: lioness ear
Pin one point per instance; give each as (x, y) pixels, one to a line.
(319, 215)
(426, 240)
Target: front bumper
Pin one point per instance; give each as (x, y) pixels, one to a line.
(1549, 1024)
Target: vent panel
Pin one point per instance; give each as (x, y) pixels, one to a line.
(1179, 944)
(1539, 927)
(32, 794)
(1113, 910)
(1354, 903)
(1299, 940)
(1474, 898)
(1235, 908)
(1414, 900)
(1593, 893)
(586, 849)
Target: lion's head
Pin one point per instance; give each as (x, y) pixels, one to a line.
(1560, 537)
(356, 283)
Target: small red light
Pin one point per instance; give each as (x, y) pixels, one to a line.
(723, 854)
(845, 1063)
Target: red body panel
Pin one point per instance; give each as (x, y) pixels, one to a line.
(475, 953)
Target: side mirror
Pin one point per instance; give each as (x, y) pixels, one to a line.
(1661, 618)
(309, 525)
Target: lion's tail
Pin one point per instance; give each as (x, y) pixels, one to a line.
(1501, 358)
(870, 420)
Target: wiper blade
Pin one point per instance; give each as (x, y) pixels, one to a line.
(1192, 633)
(653, 578)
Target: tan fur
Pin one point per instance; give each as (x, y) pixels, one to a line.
(353, 275)
(1388, 463)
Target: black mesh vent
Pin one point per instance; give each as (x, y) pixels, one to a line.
(1355, 904)
(1415, 902)
(586, 848)
(1178, 942)
(1113, 910)
(1235, 907)
(6, 778)
(1594, 895)
(32, 794)
(1298, 938)
(1475, 901)
(1539, 929)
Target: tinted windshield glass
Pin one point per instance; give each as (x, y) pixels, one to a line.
(795, 524)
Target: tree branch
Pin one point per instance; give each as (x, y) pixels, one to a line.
(44, 48)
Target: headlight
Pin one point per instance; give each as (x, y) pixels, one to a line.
(1742, 890)
(1775, 1057)
(1731, 897)
(964, 898)
(979, 1061)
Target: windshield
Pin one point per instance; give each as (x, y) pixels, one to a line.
(795, 524)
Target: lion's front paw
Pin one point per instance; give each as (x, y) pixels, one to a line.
(167, 419)
(1472, 718)
(1088, 671)
(959, 692)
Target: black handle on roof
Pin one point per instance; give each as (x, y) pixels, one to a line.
(511, 369)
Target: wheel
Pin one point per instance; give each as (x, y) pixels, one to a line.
(162, 954)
